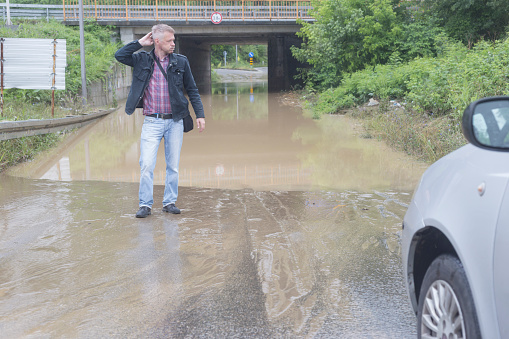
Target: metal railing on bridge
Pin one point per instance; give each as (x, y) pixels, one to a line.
(36, 12)
(186, 10)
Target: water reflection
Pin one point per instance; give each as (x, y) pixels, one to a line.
(246, 101)
(252, 140)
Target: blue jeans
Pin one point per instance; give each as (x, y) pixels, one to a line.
(153, 130)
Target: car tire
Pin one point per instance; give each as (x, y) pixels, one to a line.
(446, 307)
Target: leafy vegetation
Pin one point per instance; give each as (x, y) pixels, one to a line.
(471, 20)
(349, 36)
(217, 56)
(408, 56)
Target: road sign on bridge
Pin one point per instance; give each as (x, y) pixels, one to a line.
(216, 18)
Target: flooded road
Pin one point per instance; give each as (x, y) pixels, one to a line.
(289, 228)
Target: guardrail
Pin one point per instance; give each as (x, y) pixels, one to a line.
(38, 12)
(25, 128)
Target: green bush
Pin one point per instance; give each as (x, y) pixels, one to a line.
(435, 86)
(434, 89)
(217, 58)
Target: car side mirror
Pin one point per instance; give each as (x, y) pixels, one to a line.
(486, 123)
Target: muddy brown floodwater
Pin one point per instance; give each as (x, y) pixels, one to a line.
(289, 228)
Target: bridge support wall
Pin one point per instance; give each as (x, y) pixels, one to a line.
(282, 65)
(198, 54)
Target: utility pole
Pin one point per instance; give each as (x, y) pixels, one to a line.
(8, 22)
(82, 57)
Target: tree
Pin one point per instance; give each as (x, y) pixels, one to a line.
(331, 44)
(347, 36)
(381, 31)
(470, 20)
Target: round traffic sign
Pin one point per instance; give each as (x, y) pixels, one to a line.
(216, 18)
(251, 54)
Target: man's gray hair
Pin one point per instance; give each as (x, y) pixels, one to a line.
(160, 29)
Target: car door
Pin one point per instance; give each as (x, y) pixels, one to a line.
(501, 267)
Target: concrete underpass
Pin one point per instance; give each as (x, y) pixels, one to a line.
(194, 40)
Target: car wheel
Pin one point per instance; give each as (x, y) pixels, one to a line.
(446, 306)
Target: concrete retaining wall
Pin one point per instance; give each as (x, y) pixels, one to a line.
(108, 91)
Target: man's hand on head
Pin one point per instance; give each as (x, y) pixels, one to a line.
(146, 40)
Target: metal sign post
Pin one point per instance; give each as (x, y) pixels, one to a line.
(8, 22)
(82, 57)
(54, 80)
(2, 75)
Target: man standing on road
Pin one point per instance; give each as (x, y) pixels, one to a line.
(159, 79)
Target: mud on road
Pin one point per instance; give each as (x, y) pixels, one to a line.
(235, 263)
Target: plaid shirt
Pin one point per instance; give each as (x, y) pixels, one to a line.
(157, 97)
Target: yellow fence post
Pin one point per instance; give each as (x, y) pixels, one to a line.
(157, 10)
(126, 11)
(186, 10)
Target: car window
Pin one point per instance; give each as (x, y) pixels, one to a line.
(491, 123)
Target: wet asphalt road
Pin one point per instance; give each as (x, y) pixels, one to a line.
(289, 228)
(236, 263)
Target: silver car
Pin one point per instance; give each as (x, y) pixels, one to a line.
(455, 240)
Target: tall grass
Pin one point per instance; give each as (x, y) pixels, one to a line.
(22, 149)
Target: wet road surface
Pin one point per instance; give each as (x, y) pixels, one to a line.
(289, 228)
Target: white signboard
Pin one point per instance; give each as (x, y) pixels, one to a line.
(28, 63)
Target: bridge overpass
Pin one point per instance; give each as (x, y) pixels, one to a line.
(269, 22)
(195, 39)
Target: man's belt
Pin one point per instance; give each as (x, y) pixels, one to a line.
(161, 116)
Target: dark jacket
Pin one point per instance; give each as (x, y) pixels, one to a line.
(179, 78)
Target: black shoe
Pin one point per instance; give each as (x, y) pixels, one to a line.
(143, 212)
(171, 208)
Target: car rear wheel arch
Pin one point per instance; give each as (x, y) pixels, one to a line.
(428, 244)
